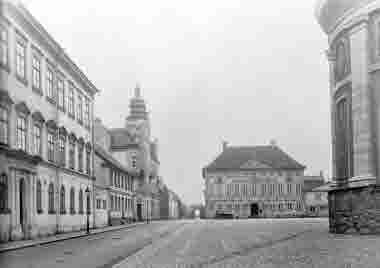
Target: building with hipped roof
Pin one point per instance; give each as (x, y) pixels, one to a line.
(253, 181)
(46, 137)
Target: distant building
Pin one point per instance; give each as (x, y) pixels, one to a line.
(353, 53)
(170, 204)
(115, 183)
(46, 121)
(316, 203)
(253, 181)
(133, 162)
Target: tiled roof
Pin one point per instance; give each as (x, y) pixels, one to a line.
(120, 137)
(253, 157)
(312, 182)
(109, 158)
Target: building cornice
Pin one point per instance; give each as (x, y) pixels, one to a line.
(19, 12)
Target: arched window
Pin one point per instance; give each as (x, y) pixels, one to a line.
(51, 198)
(88, 199)
(63, 199)
(80, 201)
(39, 197)
(72, 200)
(3, 193)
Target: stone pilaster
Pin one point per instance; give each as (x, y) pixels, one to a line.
(363, 132)
(331, 57)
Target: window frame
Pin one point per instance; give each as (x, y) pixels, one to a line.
(6, 124)
(62, 200)
(4, 29)
(49, 84)
(72, 201)
(36, 72)
(37, 125)
(39, 197)
(21, 59)
(71, 100)
(4, 194)
(51, 201)
(79, 107)
(22, 132)
(80, 203)
(51, 151)
(61, 93)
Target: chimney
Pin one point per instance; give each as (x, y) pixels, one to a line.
(225, 145)
(273, 143)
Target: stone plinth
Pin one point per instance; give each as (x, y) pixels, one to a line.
(355, 210)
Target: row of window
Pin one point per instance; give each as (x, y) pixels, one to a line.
(51, 206)
(119, 203)
(272, 206)
(70, 99)
(120, 180)
(56, 141)
(246, 189)
(101, 204)
(62, 200)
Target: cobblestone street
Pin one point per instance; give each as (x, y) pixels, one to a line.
(208, 243)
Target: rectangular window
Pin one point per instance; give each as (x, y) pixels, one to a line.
(50, 84)
(21, 133)
(3, 46)
(289, 188)
(61, 93)
(88, 162)
(36, 72)
(20, 60)
(71, 102)
(80, 108)
(37, 139)
(80, 157)
(87, 113)
(71, 154)
(62, 150)
(51, 138)
(4, 125)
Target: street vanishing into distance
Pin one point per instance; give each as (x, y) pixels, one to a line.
(206, 243)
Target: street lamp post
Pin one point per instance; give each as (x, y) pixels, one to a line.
(87, 191)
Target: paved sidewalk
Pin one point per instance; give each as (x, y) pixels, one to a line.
(13, 245)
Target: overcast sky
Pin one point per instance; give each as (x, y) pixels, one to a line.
(241, 71)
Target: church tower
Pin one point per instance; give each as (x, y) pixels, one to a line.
(137, 106)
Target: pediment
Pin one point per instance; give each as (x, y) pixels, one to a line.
(22, 108)
(253, 164)
(5, 98)
(37, 116)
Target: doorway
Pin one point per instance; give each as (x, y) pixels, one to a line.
(254, 210)
(22, 203)
(139, 212)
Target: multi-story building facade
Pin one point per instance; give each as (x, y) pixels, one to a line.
(115, 184)
(134, 150)
(170, 204)
(353, 53)
(46, 141)
(253, 181)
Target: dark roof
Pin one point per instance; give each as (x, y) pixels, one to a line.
(252, 158)
(110, 159)
(312, 182)
(121, 138)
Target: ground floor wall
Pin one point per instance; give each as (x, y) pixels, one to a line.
(355, 210)
(36, 204)
(260, 208)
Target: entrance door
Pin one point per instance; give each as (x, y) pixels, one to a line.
(254, 210)
(22, 203)
(139, 212)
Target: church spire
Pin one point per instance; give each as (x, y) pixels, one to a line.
(137, 106)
